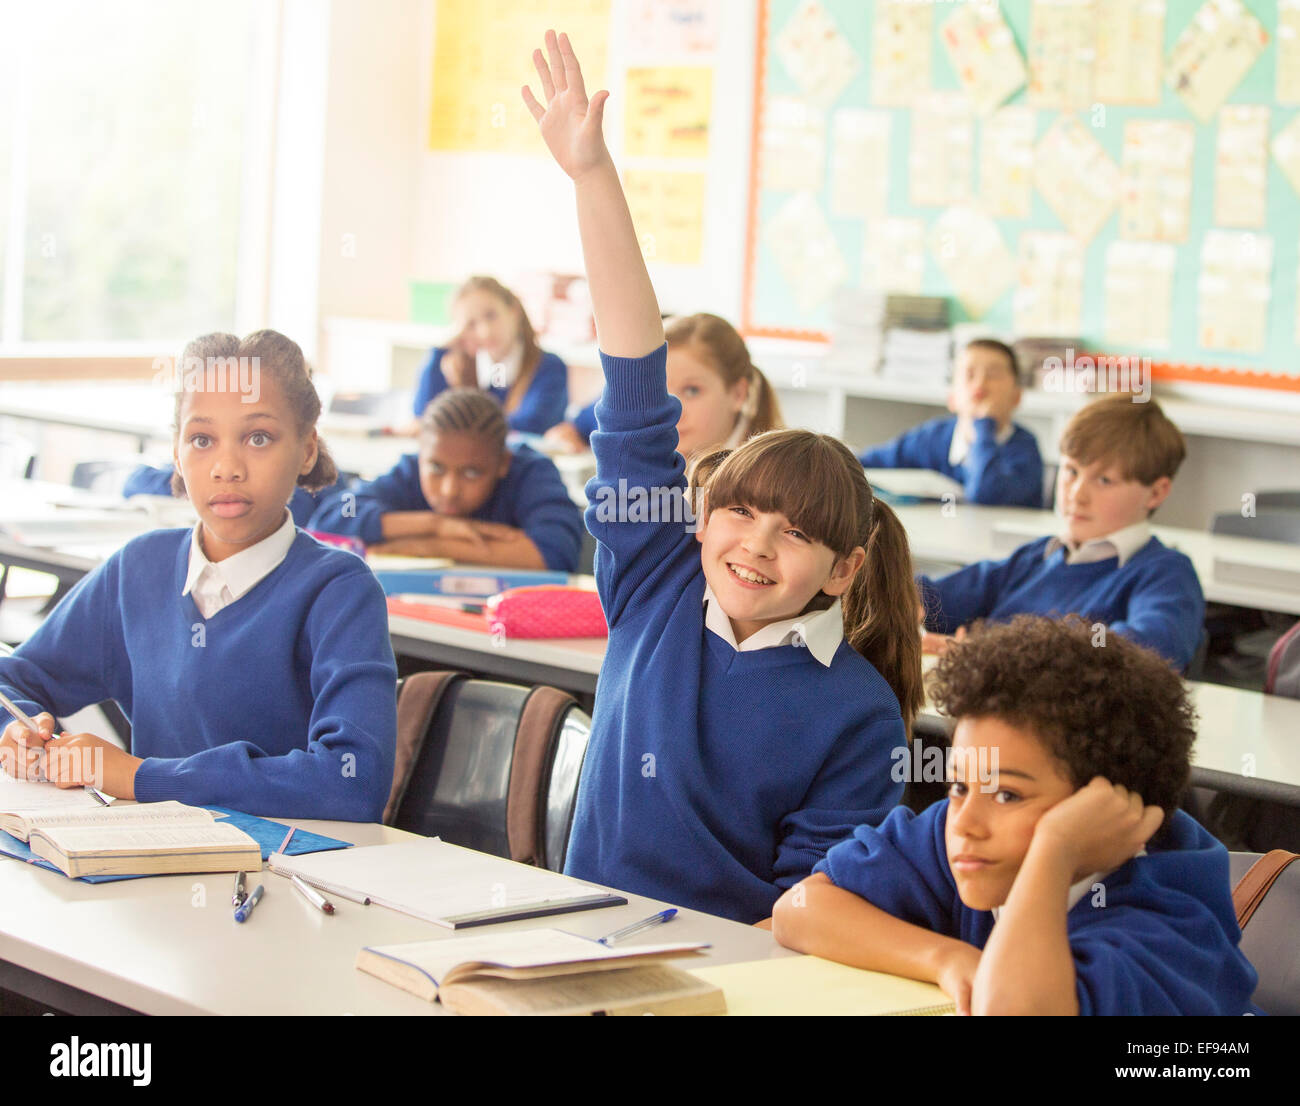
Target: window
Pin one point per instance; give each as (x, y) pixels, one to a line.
(121, 166)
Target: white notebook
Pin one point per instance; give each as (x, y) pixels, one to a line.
(444, 884)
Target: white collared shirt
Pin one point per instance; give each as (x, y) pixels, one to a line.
(217, 584)
(820, 631)
(499, 374)
(1122, 543)
(1078, 890)
(960, 447)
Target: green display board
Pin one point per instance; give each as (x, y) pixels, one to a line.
(773, 306)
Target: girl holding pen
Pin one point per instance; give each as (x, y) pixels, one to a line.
(761, 664)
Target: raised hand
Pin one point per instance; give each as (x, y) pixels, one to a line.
(570, 123)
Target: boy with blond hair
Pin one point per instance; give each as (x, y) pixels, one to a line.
(1118, 461)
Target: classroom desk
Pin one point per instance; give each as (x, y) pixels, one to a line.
(1240, 571)
(169, 944)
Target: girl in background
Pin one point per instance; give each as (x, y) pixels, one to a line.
(496, 351)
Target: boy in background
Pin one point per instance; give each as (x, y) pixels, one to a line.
(996, 461)
(1106, 898)
(1118, 461)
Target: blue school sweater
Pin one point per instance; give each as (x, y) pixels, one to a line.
(1008, 475)
(714, 778)
(148, 480)
(1155, 598)
(531, 496)
(540, 408)
(283, 703)
(1165, 942)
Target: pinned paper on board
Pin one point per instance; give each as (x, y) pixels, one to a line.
(1286, 151)
(983, 51)
(667, 111)
(1006, 161)
(859, 175)
(893, 255)
(1287, 61)
(816, 54)
(1048, 298)
(1062, 53)
(1130, 51)
(668, 213)
(900, 52)
(806, 252)
(1234, 290)
(1139, 293)
(968, 248)
(943, 140)
(1212, 55)
(666, 28)
(1156, 180)
(1241, 166)
(792, 146)
(477, 49)
(1076, 177)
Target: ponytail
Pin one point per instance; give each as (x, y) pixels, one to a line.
(762, 408)
(880, 611)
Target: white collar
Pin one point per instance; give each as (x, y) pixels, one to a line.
(240, 571)
(505, 371)
(960, 447)
(1078, 890)
(1122, 544)
(820, 631)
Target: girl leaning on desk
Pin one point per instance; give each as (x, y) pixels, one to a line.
(253, 663)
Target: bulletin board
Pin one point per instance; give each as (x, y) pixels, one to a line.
(1125, 172)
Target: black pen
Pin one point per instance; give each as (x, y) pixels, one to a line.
(240, 893)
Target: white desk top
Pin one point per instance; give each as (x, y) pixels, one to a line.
(170, 945)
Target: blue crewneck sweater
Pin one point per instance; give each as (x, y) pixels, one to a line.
(1007, 475)
(541, 406)
(1155, 598)
(531, 497)
(714, 778)
(283, 703)
(1163, 941)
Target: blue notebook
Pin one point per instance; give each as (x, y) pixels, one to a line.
(266, 833)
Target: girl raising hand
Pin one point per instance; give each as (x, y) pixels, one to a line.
(749, 705)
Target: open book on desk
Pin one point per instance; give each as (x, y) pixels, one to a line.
(543, 971)
(445, 884)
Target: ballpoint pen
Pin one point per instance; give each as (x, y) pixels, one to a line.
(245, 909)
(319, 901)
(21, 716)
(240, 893)
(637, 927)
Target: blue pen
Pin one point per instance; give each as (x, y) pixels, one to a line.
(637, 927)
(245, 908)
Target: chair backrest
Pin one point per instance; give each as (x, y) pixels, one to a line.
(1271, 525)
(17, 457)
(1282, 676)
(1287, 500)
(1049, 485)
(497, 767)
(106, 477)
(1267, 899)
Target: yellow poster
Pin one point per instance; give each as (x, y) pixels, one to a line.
(668, 213)
(482, 55)
(668, 111)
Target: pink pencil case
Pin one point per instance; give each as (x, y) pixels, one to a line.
(547, 611)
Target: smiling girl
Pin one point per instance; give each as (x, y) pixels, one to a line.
(745, 715)
(253, 663)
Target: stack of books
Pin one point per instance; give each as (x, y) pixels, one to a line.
(918, 343)
(857, 319)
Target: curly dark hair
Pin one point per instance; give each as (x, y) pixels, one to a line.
(1115, 710)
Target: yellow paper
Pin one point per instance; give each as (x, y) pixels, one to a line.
(809, 986)
(668, 111)
(668, 213)
(482, 55)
